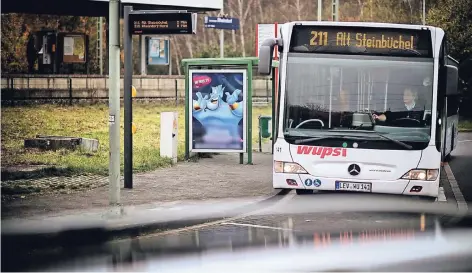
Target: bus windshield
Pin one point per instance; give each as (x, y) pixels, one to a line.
(327, 93)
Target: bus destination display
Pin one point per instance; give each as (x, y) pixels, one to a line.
(369, 41)
(161, 23)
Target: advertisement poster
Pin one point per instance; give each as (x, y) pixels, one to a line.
(158, 53)
(74, 49)
(68, 46)
(217, 110)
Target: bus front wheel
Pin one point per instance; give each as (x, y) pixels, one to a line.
(303, 192)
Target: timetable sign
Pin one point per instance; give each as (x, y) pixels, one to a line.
(162, 23)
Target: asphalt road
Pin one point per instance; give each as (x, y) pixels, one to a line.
(280, 227)
(461, 164)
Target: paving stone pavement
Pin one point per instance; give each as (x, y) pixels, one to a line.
(218, 177)
(61, 184)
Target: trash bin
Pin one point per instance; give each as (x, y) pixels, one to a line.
(265, 125)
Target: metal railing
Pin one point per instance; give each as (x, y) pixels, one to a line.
(73, 88)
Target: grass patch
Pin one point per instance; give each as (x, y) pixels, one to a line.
(91, 121)
(465, 125)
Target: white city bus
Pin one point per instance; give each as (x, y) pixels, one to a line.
(366, 107)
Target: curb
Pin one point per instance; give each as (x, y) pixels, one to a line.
(20, 244)
(465, 130)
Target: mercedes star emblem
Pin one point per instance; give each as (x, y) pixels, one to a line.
(354, 169)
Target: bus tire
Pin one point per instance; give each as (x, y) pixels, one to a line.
(303, 192)
(447, 158)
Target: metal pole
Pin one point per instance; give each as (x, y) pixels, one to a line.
(249, 113)
(319, 9)
(176, 93)
(424, 12)
(260, 134)
(222, 40)
(335, 10)
(273, 109)
(142, 54)
(100, 50)
(114, 101)
(170, 58)
(187, 112)
(70, 91)
(98, 42)
(128, 79)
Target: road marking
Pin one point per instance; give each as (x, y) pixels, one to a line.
(222, 221)
(441, 195)
(461, 203)
(462, 141)
(255, 226)
(280, 202)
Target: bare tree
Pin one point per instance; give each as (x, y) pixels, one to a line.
(233, 32)
(298, 8)
(178, 54)
(189, 44)
(243, 14)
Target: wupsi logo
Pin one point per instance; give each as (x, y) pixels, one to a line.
(321, 151)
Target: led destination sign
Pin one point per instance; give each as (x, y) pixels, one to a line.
(369, 41)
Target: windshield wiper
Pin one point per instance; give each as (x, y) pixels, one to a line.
(409, 147)
(305, 140)
(403, 144)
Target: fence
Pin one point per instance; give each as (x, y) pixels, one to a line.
(91, 87)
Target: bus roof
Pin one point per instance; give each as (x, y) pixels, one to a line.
(361, 24)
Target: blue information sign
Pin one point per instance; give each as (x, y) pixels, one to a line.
(158, 51)
(222, 23)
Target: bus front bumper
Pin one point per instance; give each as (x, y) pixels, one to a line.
(401, 186)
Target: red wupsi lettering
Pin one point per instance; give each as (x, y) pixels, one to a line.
(321, 151)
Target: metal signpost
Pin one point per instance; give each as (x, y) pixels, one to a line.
(114, 102)
(335, 4)
(144, 22)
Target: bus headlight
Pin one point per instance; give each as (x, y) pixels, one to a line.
(288, 167)
(422, 174)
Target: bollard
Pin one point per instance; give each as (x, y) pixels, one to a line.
(265, 129)
(169, 135)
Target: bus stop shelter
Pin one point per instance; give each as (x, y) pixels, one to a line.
(99, 8)
(220, 67)
(113, 11)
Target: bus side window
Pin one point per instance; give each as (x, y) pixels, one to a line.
(441, 94)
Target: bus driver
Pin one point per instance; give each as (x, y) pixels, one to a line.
(410, 110)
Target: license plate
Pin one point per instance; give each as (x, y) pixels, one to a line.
(353, 186)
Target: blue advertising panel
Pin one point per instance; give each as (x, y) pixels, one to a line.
(222, 23)
(158, 51)
(217, 110)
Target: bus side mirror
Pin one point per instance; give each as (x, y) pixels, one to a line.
(452, 80)
(266, 53)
